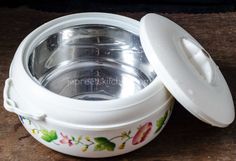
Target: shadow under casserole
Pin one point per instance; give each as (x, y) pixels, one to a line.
(91, 62)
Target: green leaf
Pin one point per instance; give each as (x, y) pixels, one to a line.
(99, 147)
(48, 135)
(161, 121)
(72, 138)
(103, 143)
(53, 134)
(111, 146)
(101, 140)
(46, 138)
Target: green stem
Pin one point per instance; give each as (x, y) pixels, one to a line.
(79, 142)
(90, 144)
(115, 137)
(91, 141)
(128, 139)
(120, 136)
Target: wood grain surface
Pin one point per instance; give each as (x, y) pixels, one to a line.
(184, 138)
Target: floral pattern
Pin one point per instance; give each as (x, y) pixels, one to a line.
(98, 143)
(65, 140)
(142, 133)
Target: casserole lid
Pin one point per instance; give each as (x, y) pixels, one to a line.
(187, 70)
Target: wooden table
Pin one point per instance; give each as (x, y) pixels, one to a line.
(184, 138)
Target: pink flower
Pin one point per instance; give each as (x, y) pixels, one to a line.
(65, 140)
(142, 133)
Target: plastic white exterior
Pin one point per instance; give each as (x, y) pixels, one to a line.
(187, 70)
(77, 150)
(79, 117)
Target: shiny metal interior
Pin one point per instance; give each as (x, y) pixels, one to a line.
(91, 62)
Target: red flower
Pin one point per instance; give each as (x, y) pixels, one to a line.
(66, 140)
(142, 133)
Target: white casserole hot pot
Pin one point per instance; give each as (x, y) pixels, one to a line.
(97, 84)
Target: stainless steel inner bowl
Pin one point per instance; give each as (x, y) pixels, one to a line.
(91, 62)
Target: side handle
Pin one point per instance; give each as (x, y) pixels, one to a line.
(11, 106)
